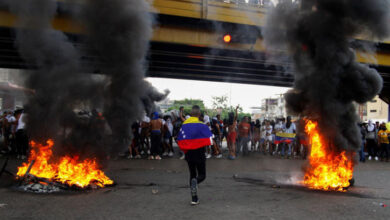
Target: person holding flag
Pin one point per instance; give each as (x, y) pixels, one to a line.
(192, 139)
(286, 136)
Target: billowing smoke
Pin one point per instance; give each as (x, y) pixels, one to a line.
(328, 79)
(118, 33)
(58, 84)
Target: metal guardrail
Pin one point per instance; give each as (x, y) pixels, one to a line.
(253, 3)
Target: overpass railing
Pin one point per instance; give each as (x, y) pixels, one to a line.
(253, 3)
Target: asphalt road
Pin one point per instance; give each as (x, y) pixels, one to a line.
(254, 187)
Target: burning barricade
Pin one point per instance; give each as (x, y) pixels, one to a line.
(329, 80)
(43, 170)
(327, 169)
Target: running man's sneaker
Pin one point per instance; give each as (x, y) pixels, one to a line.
(170, 154)
(376, 158)
(195, 200)
(194, 188)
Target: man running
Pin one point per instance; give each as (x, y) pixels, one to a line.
(193, 137)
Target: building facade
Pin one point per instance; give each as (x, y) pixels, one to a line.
(274, 107)
(376, 110)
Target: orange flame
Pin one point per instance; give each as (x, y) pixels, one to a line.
(327, 170)
(68, 170)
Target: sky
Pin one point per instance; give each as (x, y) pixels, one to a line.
(245, 95)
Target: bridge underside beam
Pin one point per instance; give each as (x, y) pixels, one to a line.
(183, 61)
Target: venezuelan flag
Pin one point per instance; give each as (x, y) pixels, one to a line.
(193, 135)
(284, 137)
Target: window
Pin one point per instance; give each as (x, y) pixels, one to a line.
(373, 110)
(373, 101)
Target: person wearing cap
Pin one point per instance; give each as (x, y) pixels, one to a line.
(156, 126)
(371, 136)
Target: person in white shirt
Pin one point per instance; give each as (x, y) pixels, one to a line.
(167, 136)
(21, 139)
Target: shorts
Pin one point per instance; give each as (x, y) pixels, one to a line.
(262, 140)
(232, 136)
(268, 138)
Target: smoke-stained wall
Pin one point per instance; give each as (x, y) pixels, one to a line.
(328, 79)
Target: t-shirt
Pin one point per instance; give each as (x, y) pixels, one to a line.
(291, 129)
(383, 136)
(268, 130)
(11, 120)
(243, 129)
(262, 132)
(21, 123)
(279, 127)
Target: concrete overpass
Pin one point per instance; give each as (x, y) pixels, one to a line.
(187, 43)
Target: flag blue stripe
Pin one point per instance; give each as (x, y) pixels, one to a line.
(194, 131)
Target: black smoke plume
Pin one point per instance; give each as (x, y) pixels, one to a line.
(118, 33)
(328, 79)
(59, 85)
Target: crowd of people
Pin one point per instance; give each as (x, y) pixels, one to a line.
(281, 137)
(375, 141)
(154, 136)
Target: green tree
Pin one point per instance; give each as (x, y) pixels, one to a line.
(220, 106)
(187, 104)
(220, 102)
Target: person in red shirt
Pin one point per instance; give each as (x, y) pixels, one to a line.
(244, 129)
